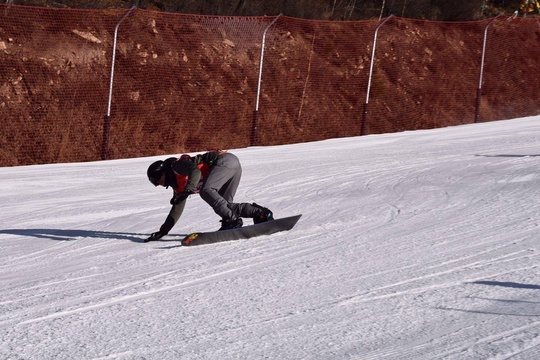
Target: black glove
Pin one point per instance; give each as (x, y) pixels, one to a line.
(155, 236)
(179, 197)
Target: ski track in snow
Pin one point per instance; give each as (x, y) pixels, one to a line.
(416, 245)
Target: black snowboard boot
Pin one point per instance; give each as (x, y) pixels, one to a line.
(263, 216)
(231, 224)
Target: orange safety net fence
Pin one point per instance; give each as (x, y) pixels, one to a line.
(184, 83)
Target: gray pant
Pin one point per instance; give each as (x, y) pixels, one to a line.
(220, 187)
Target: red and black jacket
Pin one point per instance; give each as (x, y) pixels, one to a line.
(188, 173)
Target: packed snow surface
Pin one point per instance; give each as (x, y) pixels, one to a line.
(414, 245)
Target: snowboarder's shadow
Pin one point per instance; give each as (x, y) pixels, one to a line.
(68, 235)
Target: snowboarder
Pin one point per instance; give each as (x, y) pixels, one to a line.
(215, 175)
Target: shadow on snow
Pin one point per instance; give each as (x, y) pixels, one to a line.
(508, 284)
(68, 235)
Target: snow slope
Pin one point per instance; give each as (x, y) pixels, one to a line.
(416, 245)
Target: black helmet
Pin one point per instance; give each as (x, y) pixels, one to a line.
(155, 171)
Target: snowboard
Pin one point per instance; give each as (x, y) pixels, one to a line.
(245, 232)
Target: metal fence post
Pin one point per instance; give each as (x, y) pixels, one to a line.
(255, 125)
(480, 81)
(107, 118)
(364, 117)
